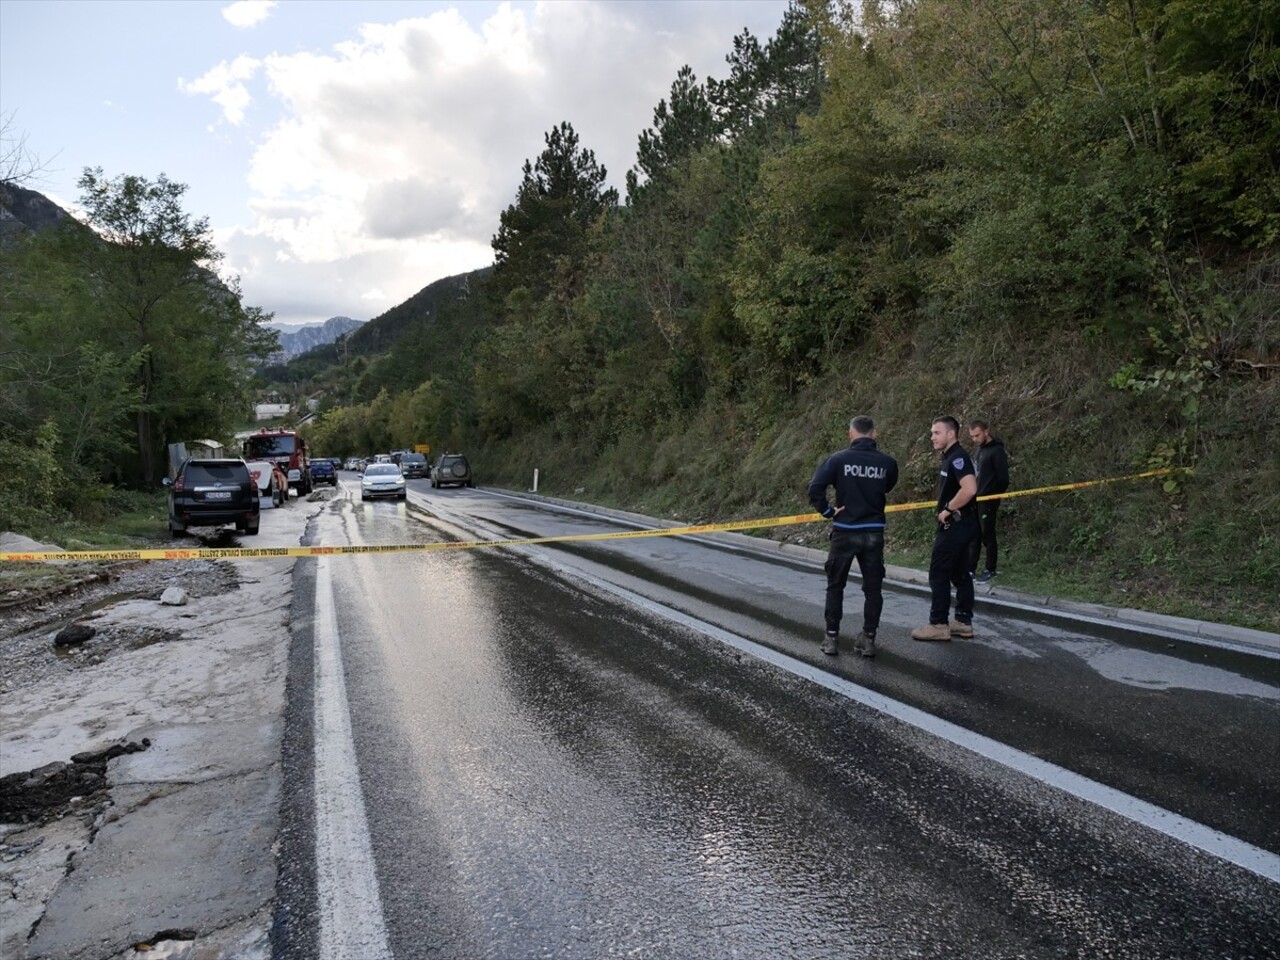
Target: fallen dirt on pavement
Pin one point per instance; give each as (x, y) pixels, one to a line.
(140, 754)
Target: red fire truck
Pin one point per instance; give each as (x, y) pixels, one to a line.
(286, 450)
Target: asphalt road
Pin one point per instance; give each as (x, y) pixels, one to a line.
(635, 748)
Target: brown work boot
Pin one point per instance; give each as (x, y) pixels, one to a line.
(864, 644)
(829, 644)
(934, 631)
(962, 630)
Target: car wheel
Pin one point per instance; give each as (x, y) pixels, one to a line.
(177, 530)
(363, 498)
(403, 496)
(252, 528)
(471, 483)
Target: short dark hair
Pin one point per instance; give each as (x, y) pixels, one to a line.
(862, 425)
(979, 425)
(951, 423)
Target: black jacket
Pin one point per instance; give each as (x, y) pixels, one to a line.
(862, 475)
(992, 465)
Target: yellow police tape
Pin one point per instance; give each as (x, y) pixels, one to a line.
(217, 553)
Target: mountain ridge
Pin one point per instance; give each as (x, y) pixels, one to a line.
(295, 341)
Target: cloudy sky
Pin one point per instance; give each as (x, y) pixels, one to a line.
(346, 153)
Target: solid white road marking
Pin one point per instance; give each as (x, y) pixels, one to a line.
(351, 923)
(1194, 834)
(1214, 842)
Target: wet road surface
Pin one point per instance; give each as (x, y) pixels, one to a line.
(549, 771)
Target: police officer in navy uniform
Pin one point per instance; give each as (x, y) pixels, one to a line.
(862, 475)
(957, 518)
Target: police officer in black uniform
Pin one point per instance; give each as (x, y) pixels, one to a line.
(957, 518)
(862, 476)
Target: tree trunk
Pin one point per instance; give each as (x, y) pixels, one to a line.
(146, 454)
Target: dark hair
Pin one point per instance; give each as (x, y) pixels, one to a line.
(952, 423)
(979, 425)
(862, 425)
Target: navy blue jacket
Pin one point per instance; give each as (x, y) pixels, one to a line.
(956, 465)
(862, 475)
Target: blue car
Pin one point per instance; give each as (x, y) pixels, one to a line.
(322, 471)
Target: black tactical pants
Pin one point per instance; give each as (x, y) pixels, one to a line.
(867, 547)
(987, 520)
(949, 567)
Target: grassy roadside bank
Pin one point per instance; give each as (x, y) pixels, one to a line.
(126, 520)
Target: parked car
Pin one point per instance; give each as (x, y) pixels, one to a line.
(382, 480)
(272, 481)
(211, 493)
(414, 465)
(452, 468)
(353, 463)
(322, 471)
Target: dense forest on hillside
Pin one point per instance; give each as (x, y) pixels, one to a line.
(1061, 217)
(117, 337)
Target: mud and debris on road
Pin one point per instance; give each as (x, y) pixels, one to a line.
(140, 756)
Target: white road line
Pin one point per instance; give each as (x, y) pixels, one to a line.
(1214, 842)
(1197, 835)
(705, 539)
(351, 924)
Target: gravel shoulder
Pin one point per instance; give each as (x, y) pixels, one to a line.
(140, 769)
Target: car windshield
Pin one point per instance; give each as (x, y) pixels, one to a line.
(381, 469)
(269, 446)
(413, 458)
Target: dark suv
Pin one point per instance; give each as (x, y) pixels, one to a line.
(209, 493)
(452, 468)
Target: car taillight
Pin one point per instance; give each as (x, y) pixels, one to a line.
(177, 485)
(253, 475)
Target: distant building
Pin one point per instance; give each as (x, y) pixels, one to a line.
(270, 411)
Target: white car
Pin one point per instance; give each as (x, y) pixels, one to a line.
(382, 480)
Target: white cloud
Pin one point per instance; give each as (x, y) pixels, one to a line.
(225, 86)
(402, 209)
(394, 152)
(247, 13)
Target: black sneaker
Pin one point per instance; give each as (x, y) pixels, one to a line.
(865, 644)
(829, 644)
(986, 576)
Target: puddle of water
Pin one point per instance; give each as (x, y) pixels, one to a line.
(104, 602)
(1156, 671)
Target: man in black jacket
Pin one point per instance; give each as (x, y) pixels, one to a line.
(992, 464)
(862, 476)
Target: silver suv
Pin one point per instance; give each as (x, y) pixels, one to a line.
(452, 468)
